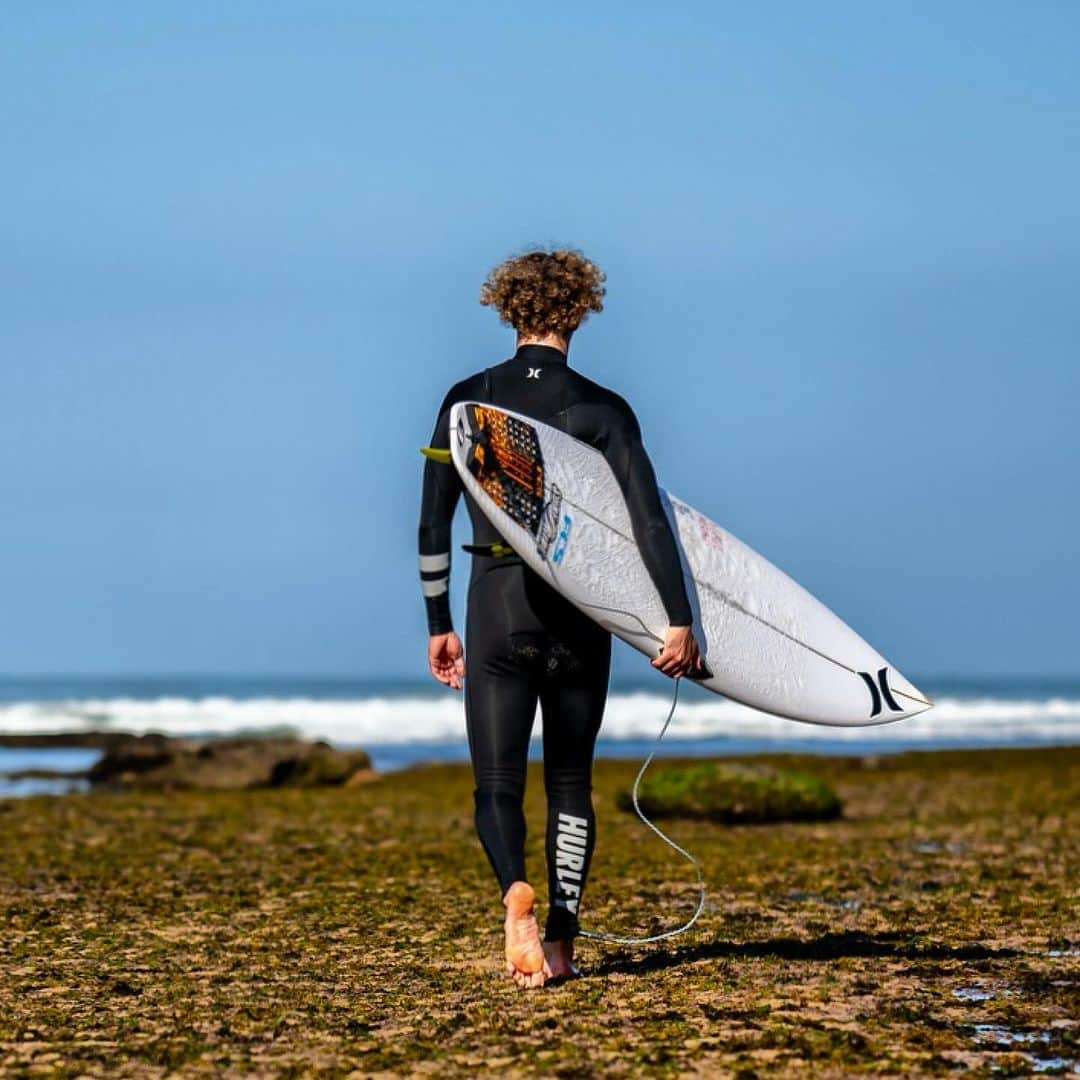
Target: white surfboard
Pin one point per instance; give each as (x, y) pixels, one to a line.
(766, 641)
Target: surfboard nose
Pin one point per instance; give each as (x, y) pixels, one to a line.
(890, 696)
(908, 695)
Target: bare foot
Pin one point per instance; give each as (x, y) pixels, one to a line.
(525, 959)
(560, 959)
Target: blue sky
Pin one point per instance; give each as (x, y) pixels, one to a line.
(240, 261)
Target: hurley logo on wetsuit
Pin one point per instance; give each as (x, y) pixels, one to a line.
(571, 842)
(533, 373)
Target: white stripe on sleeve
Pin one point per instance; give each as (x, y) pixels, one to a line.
(435, 588)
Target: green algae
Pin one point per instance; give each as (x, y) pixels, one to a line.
(734, 793)
(355, 930)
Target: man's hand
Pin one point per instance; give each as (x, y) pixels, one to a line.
(679, 655)
(446, 658)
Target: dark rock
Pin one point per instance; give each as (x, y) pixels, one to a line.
(134, 755)
(156, 761)
(320, 765)
(92, 740)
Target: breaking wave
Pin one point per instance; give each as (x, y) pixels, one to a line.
(400, 719)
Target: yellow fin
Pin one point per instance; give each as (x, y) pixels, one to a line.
(433, 453)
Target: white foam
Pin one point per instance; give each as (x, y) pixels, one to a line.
(402, 720)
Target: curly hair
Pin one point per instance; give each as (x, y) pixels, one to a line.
(545, 292)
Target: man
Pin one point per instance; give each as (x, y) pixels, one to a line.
(526, 643)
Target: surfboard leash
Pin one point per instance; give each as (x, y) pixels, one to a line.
(615, 939)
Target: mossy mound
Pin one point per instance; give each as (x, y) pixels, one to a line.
(735, 794)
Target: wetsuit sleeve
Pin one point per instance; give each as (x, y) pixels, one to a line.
(626, 455)
(441, 491)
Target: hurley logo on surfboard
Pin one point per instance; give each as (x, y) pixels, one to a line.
(880, 690)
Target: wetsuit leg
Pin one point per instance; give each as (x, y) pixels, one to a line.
(573, 706)
(526, 644)
(501, 693)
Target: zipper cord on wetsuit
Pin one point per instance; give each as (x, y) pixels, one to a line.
(614, 939)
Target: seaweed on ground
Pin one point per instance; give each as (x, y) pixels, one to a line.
(293, 931)
(734, 792)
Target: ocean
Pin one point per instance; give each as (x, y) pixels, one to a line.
(404, 723)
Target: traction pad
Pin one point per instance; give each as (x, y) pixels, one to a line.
(505, 458)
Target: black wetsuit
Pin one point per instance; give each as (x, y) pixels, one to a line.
(524, 642)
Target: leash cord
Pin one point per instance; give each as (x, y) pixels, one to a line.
(614, 939)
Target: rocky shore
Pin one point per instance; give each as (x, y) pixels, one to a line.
(161, 762)
(931, 930)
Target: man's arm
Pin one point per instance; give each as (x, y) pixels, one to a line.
(630, 463)
(623, 448)
(441, 491)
